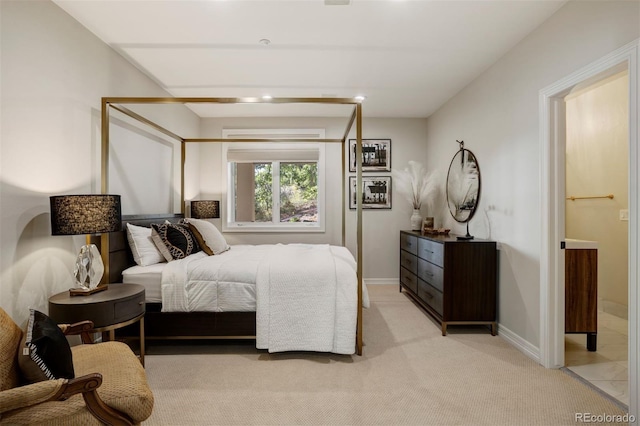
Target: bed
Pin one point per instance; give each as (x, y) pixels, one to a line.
(287, 296)
(172, 325)
(199, 322)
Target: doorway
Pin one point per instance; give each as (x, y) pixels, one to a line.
(552, 205)
(596, 233)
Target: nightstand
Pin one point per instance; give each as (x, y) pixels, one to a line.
(116, 307)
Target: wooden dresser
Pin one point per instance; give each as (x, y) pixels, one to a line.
(454, 281)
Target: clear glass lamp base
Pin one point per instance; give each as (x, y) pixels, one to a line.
(89, 268)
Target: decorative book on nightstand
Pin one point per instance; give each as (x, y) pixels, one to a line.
(453, 280)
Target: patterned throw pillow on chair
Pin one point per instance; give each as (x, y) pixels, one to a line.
(44, 353)
(174, 240)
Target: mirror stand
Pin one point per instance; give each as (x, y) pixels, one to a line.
(466, 237)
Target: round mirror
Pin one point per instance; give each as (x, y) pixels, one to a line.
(463, 185)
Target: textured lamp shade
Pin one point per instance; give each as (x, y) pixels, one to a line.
(85, 214)
(205, 209)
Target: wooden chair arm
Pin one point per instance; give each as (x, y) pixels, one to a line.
(83, 328)
(87, 385)
(30, 395)
(60, 390)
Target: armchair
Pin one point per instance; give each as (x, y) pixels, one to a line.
(110, 386)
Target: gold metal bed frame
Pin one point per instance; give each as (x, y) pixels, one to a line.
(117, 103)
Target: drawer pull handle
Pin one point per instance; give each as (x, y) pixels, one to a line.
(428, 273)
(430, 296)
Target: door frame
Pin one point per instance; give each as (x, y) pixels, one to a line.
(552, 208)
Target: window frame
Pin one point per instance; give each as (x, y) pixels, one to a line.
(228, 200)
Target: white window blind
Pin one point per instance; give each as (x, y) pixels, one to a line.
(240, 155)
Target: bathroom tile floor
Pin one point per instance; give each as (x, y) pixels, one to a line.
(606, 368)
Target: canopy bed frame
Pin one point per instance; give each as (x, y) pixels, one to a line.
(116, 253)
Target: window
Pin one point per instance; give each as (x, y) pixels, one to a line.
(274, 186)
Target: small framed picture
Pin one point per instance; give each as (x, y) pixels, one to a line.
(376, 192)
(376, 155)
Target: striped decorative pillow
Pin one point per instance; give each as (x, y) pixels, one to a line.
(44, 353)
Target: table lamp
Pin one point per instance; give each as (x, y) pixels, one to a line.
(86, 214)
(205, 209)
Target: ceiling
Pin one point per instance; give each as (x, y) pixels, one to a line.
(407, 57)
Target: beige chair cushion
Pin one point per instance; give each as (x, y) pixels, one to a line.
(124, 387)
(10, 335)
(124, 381)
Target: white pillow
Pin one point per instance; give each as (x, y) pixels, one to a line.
(144, 250)
(210, 235)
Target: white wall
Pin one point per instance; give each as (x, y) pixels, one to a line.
(380, 228)
(497, 117)
(53, 75)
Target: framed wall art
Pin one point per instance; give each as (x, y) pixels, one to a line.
(376, 192)
(376, 155)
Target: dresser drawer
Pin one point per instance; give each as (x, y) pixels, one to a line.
(130, 308)
(430, 295)
(409, 261)
(430, 273)
(117, 304)
(431, 251)
(409, 279)
(409, 243)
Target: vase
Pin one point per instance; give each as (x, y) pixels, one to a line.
(416, 220)
(89, 268)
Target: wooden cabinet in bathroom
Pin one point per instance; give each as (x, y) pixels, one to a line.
(581, 290)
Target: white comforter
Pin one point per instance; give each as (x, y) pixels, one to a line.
(304, 295)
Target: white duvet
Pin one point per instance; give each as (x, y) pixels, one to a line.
(304, 295)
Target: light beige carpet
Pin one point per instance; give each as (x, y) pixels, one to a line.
(409, 375)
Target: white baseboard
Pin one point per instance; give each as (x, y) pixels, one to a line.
(384, 281)
(519, 343)
(613, 308)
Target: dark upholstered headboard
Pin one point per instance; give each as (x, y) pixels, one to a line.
(120, 257)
